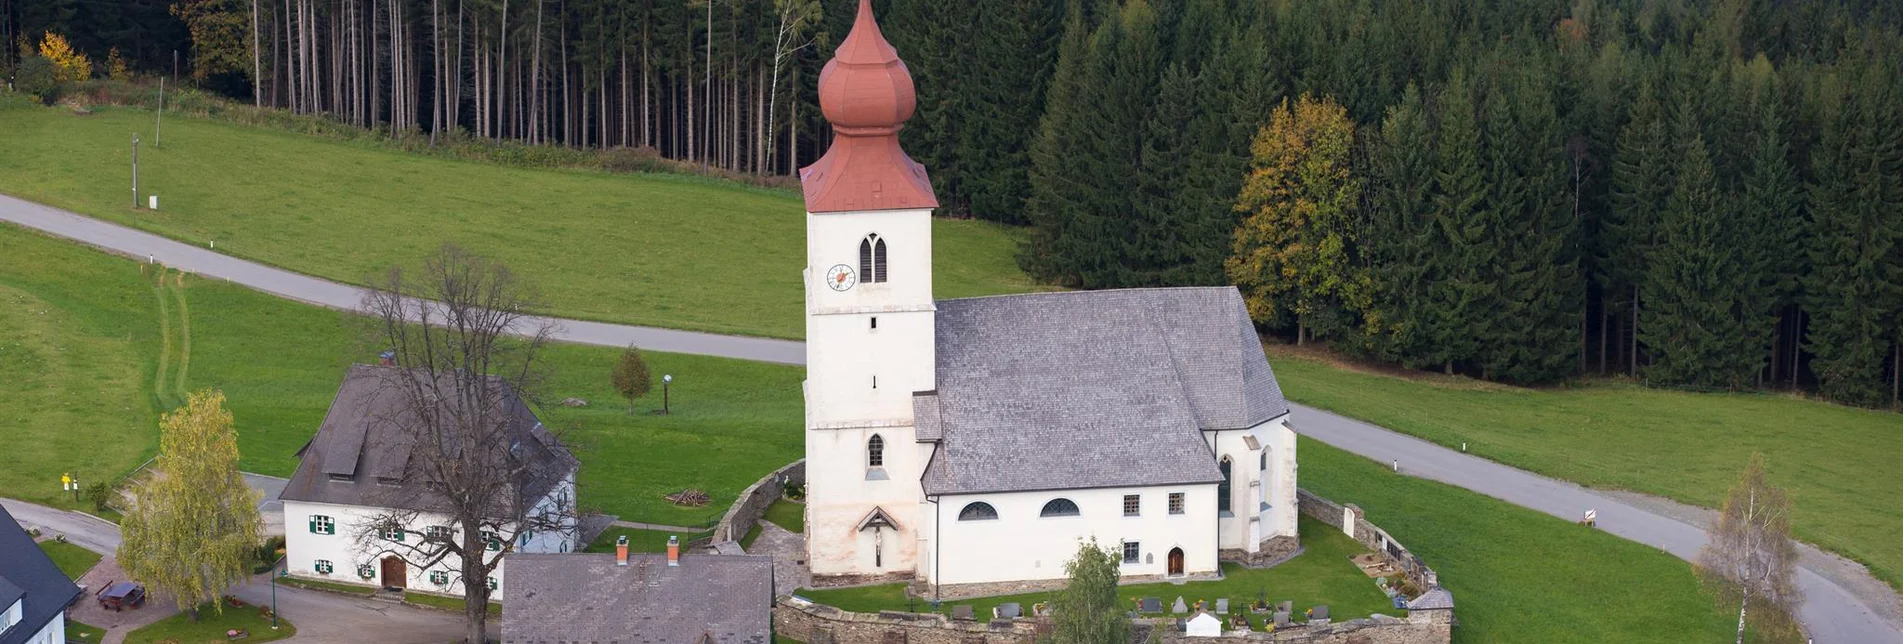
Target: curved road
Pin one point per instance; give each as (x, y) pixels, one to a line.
(1831, 612)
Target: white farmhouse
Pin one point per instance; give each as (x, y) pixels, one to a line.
(33, 591)
(974, 442)
(359, 466)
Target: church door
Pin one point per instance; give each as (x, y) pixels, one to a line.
(394, 573)
(1176, 561)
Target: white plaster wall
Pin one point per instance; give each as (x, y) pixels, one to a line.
(53, 633)
(859, 382)
(1020, 545)
(1249, 524)
(302, 549)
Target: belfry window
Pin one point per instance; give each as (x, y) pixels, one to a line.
(875, 451)
(872, 259)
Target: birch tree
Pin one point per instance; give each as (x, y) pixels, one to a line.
(194, 525)
(1751, 561)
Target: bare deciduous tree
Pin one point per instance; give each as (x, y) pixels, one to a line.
(483, 477)
(1751, 560)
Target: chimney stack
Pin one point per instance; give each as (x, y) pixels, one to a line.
(621, 550)
(673, 550)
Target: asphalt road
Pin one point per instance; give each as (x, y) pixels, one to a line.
(1831, 612)
(304, 288)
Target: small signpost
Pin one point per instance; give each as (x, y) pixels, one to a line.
(135, 171)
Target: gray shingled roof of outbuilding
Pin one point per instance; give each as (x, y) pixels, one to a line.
(1089, 389)
(574, 598)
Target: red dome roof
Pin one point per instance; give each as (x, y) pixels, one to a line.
(866, 93)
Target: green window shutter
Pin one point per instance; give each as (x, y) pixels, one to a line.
(492, 583)
(314, 525)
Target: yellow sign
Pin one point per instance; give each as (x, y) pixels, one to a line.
(65, 480)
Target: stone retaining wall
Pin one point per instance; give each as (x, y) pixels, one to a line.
(820, 624)
(1351, 521)
(754, 500)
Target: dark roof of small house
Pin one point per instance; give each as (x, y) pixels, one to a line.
(29, 576)
(1090, 389)
(573, 598)
(362, 453)
(1434, 599)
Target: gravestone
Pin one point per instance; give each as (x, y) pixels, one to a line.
(1179, 607)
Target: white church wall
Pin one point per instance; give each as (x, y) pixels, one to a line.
(1252, 489)
(1020, 545)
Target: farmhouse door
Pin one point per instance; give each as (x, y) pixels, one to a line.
(1176, 561)
(394, 573)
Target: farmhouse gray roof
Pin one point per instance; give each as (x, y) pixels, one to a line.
(362, 453)
(1088, 389)
(574, 598)
(27, 575)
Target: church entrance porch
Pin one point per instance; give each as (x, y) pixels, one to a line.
(1176, 562)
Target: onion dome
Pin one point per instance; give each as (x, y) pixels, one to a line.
(866, 93)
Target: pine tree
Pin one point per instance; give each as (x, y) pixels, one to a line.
(1641, 179)
(1853, 283)
(1457, 287)
(1396, 243)
(1694, 286)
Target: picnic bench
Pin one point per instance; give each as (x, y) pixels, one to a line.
(119, 595)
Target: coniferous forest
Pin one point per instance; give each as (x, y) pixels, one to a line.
(1698, 193)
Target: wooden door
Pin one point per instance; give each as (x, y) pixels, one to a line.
(1176, 561)
(394, 573)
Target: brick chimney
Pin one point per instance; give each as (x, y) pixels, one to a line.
(621, 550)
(673, 550)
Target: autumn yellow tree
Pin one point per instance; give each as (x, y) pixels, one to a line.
(194, 524)
(69, 65)
(1291, 250)
(116, 68)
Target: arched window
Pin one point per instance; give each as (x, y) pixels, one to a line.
(872, 259)
(875, 451)
(1265, 460)
(979, 511)
(1222, 489)
(1059, 508)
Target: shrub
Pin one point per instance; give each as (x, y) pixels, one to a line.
(69, 65)
(100, 494)
(34, 77)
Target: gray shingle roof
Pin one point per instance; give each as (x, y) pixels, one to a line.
(364, 438)
(1433, 599)
(1092, 388)
(27, 574)
(572, 598)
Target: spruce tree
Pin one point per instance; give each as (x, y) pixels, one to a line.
(1641, 180)
(1457, 287)
(1694, 288)
(1771, 226)
(1534, 331)
(1054, 192)
(1397, 239)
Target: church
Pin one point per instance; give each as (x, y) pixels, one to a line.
(971, 444)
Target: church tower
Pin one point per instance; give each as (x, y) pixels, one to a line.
(870, 338)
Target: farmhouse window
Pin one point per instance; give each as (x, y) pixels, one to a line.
(366, 571)
(489, 537)
(393, 534)
(321, 524)
(323, 566)
(439, 577)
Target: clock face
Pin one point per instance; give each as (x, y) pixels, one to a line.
(840, 277)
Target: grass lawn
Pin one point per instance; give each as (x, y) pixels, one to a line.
(787, 514)
(1690, 447)
(211, 627)
(77, 632)
(92, 337)
(640, 540)
(72, 560)
(1322, 575)
(656, 249)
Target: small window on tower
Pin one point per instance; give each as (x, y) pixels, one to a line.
(878, 260)
(875, 323)
(872, 259)
(875, 382)
(875, 451)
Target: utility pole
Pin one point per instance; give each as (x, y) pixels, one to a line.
(157, 120)
(135, 171)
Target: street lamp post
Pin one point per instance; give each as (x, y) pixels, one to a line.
(665, 380)
(274, 597)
